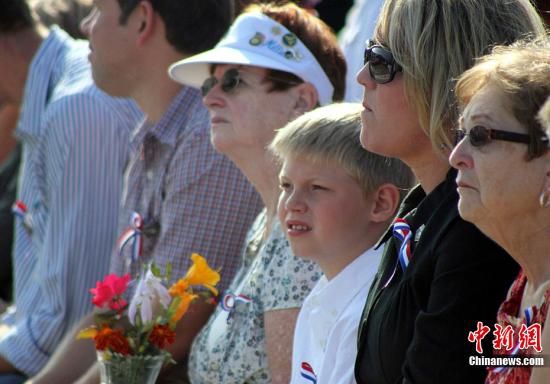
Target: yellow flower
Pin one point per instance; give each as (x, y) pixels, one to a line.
(198, 274)
(87, 333)
(201, 274)
(186, 299)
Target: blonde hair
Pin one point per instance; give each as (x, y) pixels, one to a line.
(521, 72)
(544, 117)
(330, 134)
(435, 41)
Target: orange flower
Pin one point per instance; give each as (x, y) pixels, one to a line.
(186, 299)
(113, 340)
(161, 336)
(179, 288)
(201, 274)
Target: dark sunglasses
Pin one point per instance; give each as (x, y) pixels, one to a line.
(480, 136)
(382, 65)
(229, 82)
(231, 79)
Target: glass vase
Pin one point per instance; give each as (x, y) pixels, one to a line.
(118, 369)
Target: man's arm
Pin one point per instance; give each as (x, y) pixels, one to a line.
(71, 359)
(91, 376)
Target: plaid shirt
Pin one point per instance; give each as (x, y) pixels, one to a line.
(191, 198)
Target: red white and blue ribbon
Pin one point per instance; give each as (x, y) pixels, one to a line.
(229, 301)
(133, 234)
(402, 232)
(306, 371)
(20, 211)
(529, 315)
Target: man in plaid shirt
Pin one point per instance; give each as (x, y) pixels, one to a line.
(190, 198)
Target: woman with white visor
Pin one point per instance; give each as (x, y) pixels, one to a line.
(274, 64)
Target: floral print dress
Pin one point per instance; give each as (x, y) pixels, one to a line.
(231, 347)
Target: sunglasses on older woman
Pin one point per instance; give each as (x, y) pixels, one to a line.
(381, 63)
(480, 136)
(231, 79)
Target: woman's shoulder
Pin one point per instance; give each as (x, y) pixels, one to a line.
(286, 279)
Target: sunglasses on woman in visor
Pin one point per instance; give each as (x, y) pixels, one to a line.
(231, 79)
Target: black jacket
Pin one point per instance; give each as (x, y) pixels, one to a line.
(415, 330)
(8, 185)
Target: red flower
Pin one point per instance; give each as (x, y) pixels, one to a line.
(113, 340)
(108, 292)
(161, 336)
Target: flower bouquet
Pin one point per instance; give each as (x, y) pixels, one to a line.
(131, 338)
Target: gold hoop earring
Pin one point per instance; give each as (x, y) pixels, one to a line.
(544, 198)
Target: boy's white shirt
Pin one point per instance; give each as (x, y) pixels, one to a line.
(325, 336)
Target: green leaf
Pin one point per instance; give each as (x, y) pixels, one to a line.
(108, 317)
(156, 271)
(168, 271)
(173, 306)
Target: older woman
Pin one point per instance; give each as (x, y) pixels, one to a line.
(275, 63)
(439, 275)
(503, 163)
(540, 375)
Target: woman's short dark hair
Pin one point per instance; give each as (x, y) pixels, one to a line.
(522, 73)
(316, 36)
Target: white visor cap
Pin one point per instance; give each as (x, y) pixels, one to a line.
(256, 39)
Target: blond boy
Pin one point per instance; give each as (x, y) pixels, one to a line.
(337, 200)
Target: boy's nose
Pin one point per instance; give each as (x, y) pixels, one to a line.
(295, 203)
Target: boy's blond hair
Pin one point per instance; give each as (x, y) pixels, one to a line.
(544, 116)
(330, 134)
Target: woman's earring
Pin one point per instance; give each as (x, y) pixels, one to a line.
(544, 198)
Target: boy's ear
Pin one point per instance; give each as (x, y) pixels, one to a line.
(385, 203)
(306, 99)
